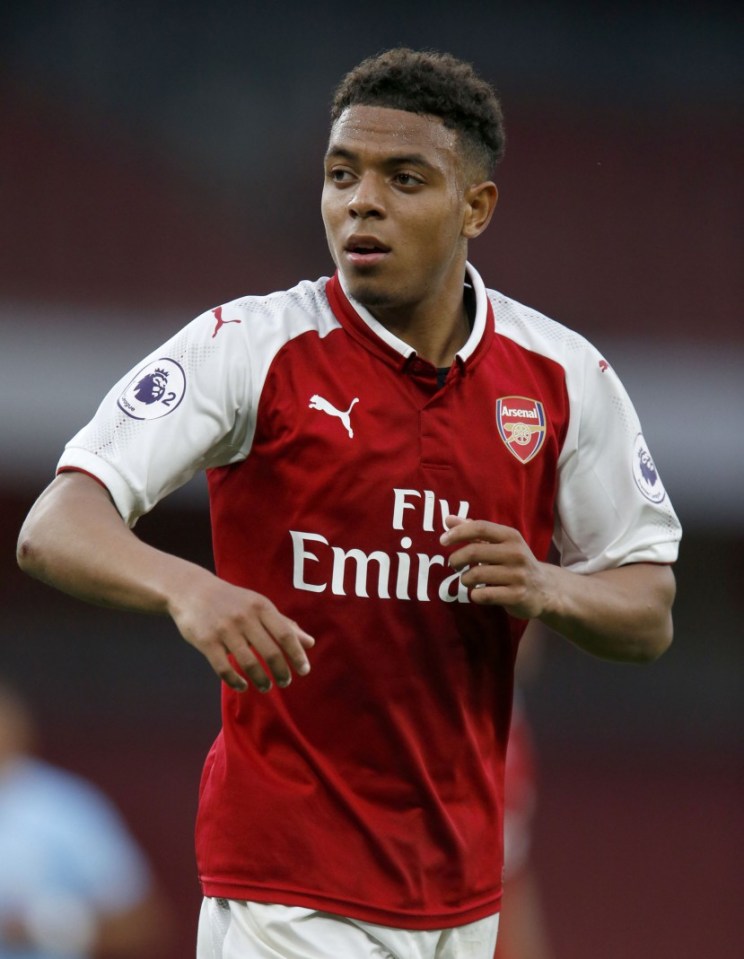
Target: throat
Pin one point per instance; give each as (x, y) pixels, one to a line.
(436, 331)
(432, 343)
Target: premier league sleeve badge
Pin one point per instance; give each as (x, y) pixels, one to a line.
(645, 474)
(154, 391)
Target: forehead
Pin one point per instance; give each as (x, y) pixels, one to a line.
(393, 132)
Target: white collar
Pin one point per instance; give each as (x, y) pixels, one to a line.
(473, 278)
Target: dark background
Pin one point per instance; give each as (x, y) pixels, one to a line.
(157, 159)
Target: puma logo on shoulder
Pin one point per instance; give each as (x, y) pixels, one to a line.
(320, 403)
(217, 313)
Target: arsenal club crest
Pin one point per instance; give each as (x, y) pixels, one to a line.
(521, 423)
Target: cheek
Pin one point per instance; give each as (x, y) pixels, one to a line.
(331, 247)
(329, 211)
(437, 225)
(435, 238)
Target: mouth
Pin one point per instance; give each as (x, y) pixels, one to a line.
(365, 250)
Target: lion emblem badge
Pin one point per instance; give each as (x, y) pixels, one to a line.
(645, 474)
(154, 391)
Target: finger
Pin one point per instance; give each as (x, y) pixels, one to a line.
(477, 530)
(291, 640)
(258, 676)
(478, 576)
(451, 521)
(483, 554)
(503, 596)
(501, 586)
(233, 680)
(221, 664)
(306, 640)
(244, 651)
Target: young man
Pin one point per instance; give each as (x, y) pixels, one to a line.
(390, 453)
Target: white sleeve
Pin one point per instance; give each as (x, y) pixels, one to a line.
(184, 408)
(612, 507)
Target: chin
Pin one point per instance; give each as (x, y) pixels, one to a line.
(368, 293)
(372, 299)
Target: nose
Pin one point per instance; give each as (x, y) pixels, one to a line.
(366, 199)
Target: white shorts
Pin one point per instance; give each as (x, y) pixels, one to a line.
(230, 929)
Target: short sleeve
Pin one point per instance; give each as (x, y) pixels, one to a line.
(612, 508)
(184, 408)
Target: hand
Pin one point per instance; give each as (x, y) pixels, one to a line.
(499, 567)
(220, 619)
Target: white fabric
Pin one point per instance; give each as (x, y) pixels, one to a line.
(229, 929)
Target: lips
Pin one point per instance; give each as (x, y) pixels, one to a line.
(365, 250)
(365, 243)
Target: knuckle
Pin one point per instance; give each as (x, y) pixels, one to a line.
(287, 638)
(260, 604)
(245, 658)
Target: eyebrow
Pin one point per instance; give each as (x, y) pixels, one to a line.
(415, 159)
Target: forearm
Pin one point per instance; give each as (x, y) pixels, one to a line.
(622, 614)
(75, 540)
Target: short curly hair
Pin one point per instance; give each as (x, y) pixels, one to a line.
(432, 84)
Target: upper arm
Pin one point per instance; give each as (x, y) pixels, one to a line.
(70, 503)
(612, 509)
(179, 411)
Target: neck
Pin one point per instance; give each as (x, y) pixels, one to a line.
(436, 338)
(436, 326)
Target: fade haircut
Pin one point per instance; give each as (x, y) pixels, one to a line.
(431, 84)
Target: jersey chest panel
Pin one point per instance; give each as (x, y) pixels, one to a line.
(356, 453)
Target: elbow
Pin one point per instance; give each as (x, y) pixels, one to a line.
(641, 644)
(654, 651)
(655, 645)
(660, 633)
(665, 641)
(35, 547)
(40, 534)
(29, 555)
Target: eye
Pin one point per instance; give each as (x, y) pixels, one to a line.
(339, 175)
(407, 179)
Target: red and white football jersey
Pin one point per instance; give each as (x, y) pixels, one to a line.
(373, 788)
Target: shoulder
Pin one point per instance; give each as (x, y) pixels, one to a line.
(537, 332)
(304, 306)
(237, 338)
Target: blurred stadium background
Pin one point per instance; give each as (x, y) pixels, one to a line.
(160, 158)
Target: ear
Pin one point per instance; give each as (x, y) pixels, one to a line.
(480, 202)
